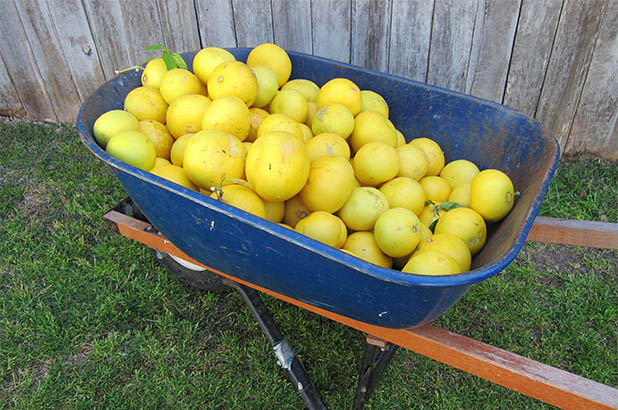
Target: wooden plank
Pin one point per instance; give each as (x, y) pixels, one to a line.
(179, 25)
(22, 67)
(571, 54)
(73, 31)
(410, 39)
(524, 375)
(371, 22)
(253, 22)
(216, 23)
(331, 27)
(492, 44)
(10, 104)
(537, 25)
(110, 35)
(594, 126)
(40, 31)
(143, 28)
(451, 43)
(571, 232)
(292, 25)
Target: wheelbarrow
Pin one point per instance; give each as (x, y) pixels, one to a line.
(205, 240)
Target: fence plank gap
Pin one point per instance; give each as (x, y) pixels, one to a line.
(253, 20)
(179, 25)
(216, 23)
(11, 104)
(331, 25)
(594, 126)
(292, 25)
(533, 42)
(22, 68)
(110, 36)
(410, 38)
(492, 44)
(451, 43)
(77, 44)
(370, 33)
(571, 55)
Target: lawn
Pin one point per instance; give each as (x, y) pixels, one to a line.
(88, 319)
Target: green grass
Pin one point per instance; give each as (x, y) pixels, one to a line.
(88, 319)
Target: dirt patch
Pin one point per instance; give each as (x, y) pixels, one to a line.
(78, 358)
(566, 258)
(35, 202)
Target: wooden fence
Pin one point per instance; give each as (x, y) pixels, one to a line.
(554, 60)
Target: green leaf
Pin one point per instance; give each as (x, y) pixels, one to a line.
(180, 63)
(156, 47)
(429, 202)
(170, 63)
(432, 227)
(450, 205)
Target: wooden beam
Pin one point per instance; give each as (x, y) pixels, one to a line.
(570, 232)
(524, 375)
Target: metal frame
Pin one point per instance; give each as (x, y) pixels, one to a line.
(534, 379)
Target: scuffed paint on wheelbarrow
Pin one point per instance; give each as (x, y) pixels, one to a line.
(255, 250)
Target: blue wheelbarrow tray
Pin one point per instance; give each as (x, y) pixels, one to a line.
(268, 255)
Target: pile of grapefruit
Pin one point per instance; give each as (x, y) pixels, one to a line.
(323, 160)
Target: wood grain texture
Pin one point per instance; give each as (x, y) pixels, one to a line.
(571, 54)
(179, 25)
(216, 23)
(73, 31)
(451, 43)
(410, 38)
(571, 232)
(331, 25)
(492, 44)
(253, 21)
(537, 25)
(11, 104)
(371, 23)
(143, 29)
(40, 30)
(292, 25)
(110, 35)
(22, 68)
(594, 126)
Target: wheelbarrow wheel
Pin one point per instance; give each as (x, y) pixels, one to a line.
(191, 274)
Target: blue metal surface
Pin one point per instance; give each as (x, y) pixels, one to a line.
(279, 259)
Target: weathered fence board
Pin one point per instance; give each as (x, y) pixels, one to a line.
(179, 25)
(292, 25)
(77, 45)
(21, 66)
(39, 28)
(331, 25)
(143, 27)
(371, 22)
(568, 64)
(536, 29)
(253, 22)
(494, 31)
(410, 38)
(110, 35)
(594, 125)
(11, 104)
(451, 43)
(555, 60)
(216, 23)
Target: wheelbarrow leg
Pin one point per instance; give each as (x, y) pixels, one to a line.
(285, 357)
(376, 358)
